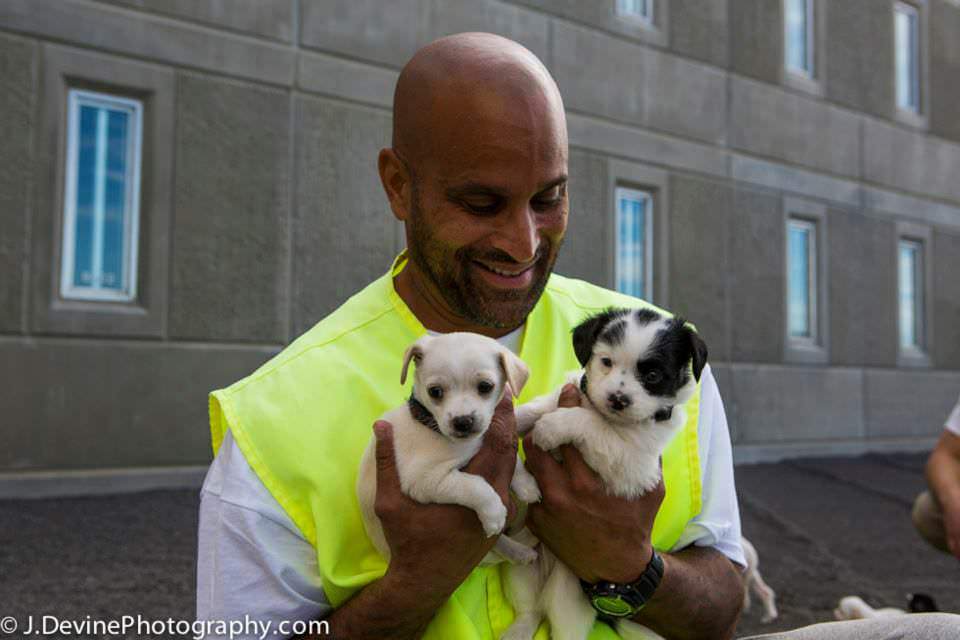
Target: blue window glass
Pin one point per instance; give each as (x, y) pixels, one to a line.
(798, 32)
(642, 9)
(634, 217)
(907, 43)
(910, 281)
(801, 279)
(101, 212)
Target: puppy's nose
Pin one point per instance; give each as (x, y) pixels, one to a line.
(619, 401)
(463, 424)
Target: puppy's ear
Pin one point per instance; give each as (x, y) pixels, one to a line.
(515, 371)
(414, 352)
(698, 352)
(586, 333)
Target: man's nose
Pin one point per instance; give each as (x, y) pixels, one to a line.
(519, 236)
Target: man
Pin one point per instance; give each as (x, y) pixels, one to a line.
(936, 513)
(477, 172)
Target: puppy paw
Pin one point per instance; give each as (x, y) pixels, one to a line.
(493, 517)
(548, 434)
(526, 488)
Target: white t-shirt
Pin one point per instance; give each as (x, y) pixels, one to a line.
(953, 420)
(253, 561)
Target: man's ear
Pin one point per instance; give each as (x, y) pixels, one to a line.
(698, 351)
(515, 371)
(414, 352)
(397, 183)
(586, 333)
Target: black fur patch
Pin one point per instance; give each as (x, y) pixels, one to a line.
(672, 348)
(646, 316)
(586, 333)
(614, 333)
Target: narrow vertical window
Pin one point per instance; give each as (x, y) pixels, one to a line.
(101, 197)
(798, 36)
(642, 9)
(907, 45)
(801, 280)
(910, 281)
(634, 221)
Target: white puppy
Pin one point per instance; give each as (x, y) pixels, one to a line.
(458, 382)
(755, 582)
(636, 377)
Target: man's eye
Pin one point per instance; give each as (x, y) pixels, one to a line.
(486, 207)
(545, 205)
(607, 362)
(435, 392)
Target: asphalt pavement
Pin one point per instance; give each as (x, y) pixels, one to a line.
(824, 529)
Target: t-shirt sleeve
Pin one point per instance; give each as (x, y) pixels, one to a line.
(252, 560)
(718, 524)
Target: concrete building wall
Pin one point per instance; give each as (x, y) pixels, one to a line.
(262, 209)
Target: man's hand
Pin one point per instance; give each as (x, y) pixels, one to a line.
(447, 538)
(597, 535)
(943, 476)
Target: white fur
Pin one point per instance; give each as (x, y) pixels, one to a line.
(622, 447)
(854, 608)
(754, 581)
(428, 462)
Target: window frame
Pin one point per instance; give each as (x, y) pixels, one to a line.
(815, 348)
(813, 82)
(77, 98)
(922, 236)
(811, 29)
(648, 19)
(813, 284)
(918, 118)
(644, 195)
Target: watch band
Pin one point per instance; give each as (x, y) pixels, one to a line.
(625, 600)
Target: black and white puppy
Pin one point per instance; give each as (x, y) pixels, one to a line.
(639, 368)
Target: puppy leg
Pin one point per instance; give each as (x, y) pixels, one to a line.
(523, 588)
(524, 484)
(571, 615)
(465, 489)
(513, 551)
(528, 414)
(746, 591)
(767, 596)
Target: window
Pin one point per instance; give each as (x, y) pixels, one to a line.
(633, 240)
(907, 52)
(802, 280)
(641, 9)
(101, 197)
(910, 278)
(798, 36)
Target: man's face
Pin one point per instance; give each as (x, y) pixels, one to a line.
(488, 213)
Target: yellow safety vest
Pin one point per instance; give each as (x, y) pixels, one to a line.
(304, 418)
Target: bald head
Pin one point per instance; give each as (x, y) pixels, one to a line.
(470, 80)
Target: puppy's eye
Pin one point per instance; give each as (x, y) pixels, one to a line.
(607, 362)
(435, 392)
(652, 377)
(484, 387)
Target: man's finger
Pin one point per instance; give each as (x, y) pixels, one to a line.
(569, 396)
(545, 469)
(387, 475)
(579, 472)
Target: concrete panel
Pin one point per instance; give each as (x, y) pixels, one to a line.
(332, 76)
(862, 288)
(651, 89)
(944, 68)
(793, 180)
(699, 218)
(756, 240)
(756, 34)
(343, 229)
(529, 28)
(230, 249)
(723, 374)
(908, 403)
(646, 146)
(18, 65)
(859, 56)
(75, 404)
(908, 207)
(384, 32)
(785, 404)
(586, 250)
(602, 16)
(111, 29)
(772, 122)
(268, 18)
(698, 28)
(911, 161)
(946, 299)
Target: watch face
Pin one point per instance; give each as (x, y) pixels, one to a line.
(613, 606)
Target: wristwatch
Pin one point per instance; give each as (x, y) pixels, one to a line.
(625, 600)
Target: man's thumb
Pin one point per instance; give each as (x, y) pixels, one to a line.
(386, 462)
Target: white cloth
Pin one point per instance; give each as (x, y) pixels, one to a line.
(254, 561)
(953, 421)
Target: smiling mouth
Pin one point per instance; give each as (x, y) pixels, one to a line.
(505, 272)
